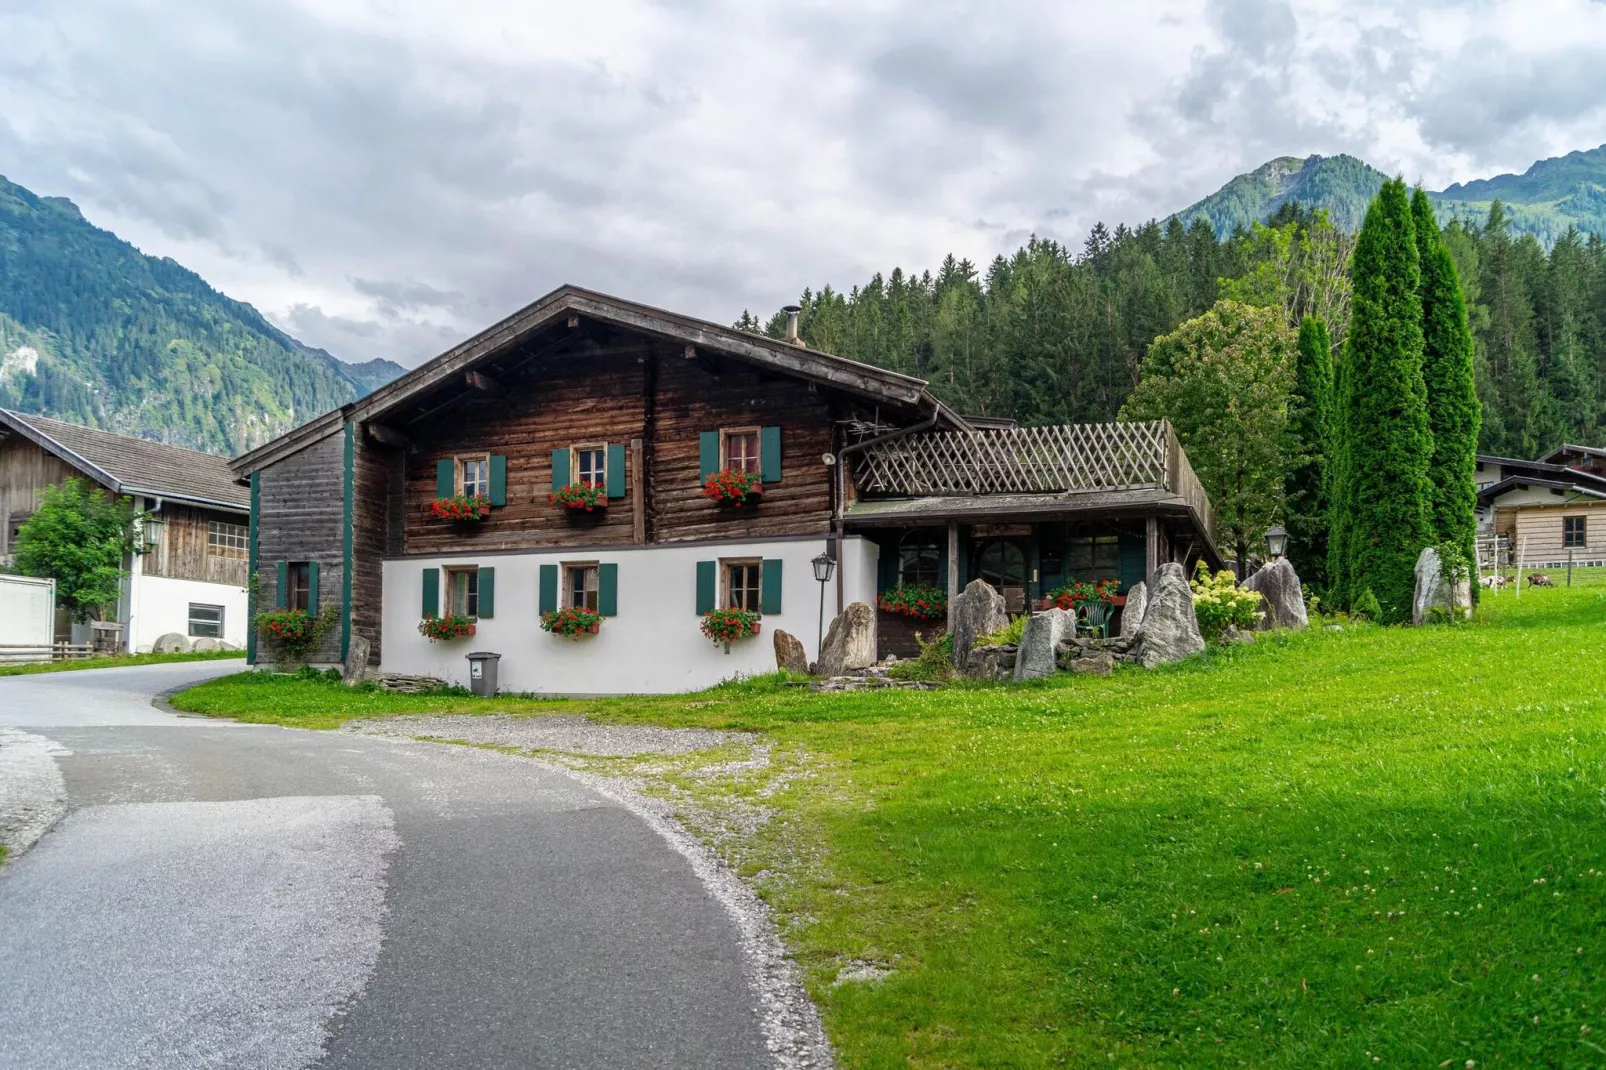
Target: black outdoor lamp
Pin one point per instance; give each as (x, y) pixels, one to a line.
(1276, 541)
(824, 566)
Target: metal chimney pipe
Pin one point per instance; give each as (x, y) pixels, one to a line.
(791, 323)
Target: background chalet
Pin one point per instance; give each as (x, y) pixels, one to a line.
(192, 578)
(642, 407)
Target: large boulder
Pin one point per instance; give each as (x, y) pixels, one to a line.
(1435, 597)
(1282, 598)
(1096, 663)
(1137, 600)
(978, 611)
(356, 667)
(1039, 644)
(850, 644)
(991, 662)
(789, 653)
(1170, 631)
(172, 643)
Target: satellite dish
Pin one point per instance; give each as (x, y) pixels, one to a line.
(828, 459)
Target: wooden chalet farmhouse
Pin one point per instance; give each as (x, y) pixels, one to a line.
(191, 579)
(1550, 511)
(639, 409)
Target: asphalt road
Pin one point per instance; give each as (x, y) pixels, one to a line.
(223, 895)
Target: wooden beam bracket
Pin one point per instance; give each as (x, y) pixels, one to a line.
(484, 383)
(388, 436)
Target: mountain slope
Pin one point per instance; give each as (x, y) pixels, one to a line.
(94, 331)
(1545, 201)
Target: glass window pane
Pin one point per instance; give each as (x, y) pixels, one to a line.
(206, 621)
(476, 478)
(741, 451)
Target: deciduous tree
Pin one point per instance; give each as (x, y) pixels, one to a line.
(80, 538)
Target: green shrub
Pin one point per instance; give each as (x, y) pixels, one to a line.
(1009, 635)
(1219, 603)
(936, 660)
(1366, 607)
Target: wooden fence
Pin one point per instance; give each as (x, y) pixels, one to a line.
(21, 652)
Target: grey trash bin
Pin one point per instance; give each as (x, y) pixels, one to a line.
(482, 672)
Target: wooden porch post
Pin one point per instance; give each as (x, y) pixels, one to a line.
(1151, 557)
(953, 569)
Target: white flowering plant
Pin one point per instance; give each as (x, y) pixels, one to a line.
(1219, 603)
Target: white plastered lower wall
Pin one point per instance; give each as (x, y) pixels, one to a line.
(652, 646)
(162, 605)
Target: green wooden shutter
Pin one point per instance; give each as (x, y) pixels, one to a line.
(445, 477)
(312, 587)
(432, 592)
(707, 454)
(498, 479)
(281, 586)
(769, 453)
(769, 586)
(549, 589)
(616, 470)
(707, 586)
(487, 593)
(608, 590)
(560, 469)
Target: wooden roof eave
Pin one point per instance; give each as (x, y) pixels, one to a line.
(50, 445)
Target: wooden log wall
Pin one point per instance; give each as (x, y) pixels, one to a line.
(185, 551)
(377, 472)
(300, 520)
(25, 470)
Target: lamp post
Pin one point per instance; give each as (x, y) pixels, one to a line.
(1276, 541)
(824, 566)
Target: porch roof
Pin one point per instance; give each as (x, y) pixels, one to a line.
(902, 512)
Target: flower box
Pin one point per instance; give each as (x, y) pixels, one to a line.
(580, 497)
(725, 626)
(922, 601)
(571, 623)
(451, 626)
(460, 507)
(734, 487)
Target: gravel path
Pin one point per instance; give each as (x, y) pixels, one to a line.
(559, 732)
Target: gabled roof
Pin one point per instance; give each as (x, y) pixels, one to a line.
(1488, 494)
(1542, 470)
(1589, 451)
(875, 384)
(128, 465)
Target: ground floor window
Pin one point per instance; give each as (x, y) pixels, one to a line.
(1573, 532)
(743, 580)
(463, 592)
(206, 622)
(1093, 557)
(582, 586)
(298, 587)
(920, 556)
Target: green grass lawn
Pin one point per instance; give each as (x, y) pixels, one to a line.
(1370, 847)
(30, 667)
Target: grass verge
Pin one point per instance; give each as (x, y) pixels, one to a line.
(31, 667)
(1367, 847)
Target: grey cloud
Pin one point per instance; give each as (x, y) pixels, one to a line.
(396, 297)
(1487, 99)
(1003, 92)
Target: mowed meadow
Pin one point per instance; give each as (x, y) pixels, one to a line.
(1376, 846)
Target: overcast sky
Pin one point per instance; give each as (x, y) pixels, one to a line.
(385, 177)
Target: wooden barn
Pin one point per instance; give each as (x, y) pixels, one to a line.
(1550, 511)
(587, 431)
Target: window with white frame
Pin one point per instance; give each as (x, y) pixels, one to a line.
(581, 586)
(227, 540)
(474, 477)
(590, 465)
(206, 622)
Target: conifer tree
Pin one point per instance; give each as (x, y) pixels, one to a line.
(1384, 509)
(1454, 415)
(1309, 416)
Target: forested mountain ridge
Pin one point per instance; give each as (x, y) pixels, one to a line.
(1547, 199)
(94, 331)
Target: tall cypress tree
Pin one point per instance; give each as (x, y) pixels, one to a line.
(1454, 415)
(1388, 444)
(1309, 417)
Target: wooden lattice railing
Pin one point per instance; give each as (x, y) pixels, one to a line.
(1034, 460)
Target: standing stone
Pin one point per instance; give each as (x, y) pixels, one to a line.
(1282, 599)
(1039, 644)
(1433, 590)
(789, 654)
(978, 611)
(850, 644)
(172, 643)
(1170, 630)
(1137, 600)
(356, 666)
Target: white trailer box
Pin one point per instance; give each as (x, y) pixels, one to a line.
(27, 617)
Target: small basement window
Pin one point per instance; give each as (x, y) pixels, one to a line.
(743, 584)
(227, 540)
(463, 592)
(1574, 532)
(206, 621)
(590, 465)
(474, 477)
(739, 450)
(581, 586)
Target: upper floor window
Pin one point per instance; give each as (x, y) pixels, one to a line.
(1574, 532)
(582, 586)
(741, 447)
(298, 586)
(463, 592)
(227, 540)
(474, 477)
(743, 582)
(590, 465)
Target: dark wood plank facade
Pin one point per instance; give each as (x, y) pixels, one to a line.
(187, 549)
(25, 471)
(300, 518)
